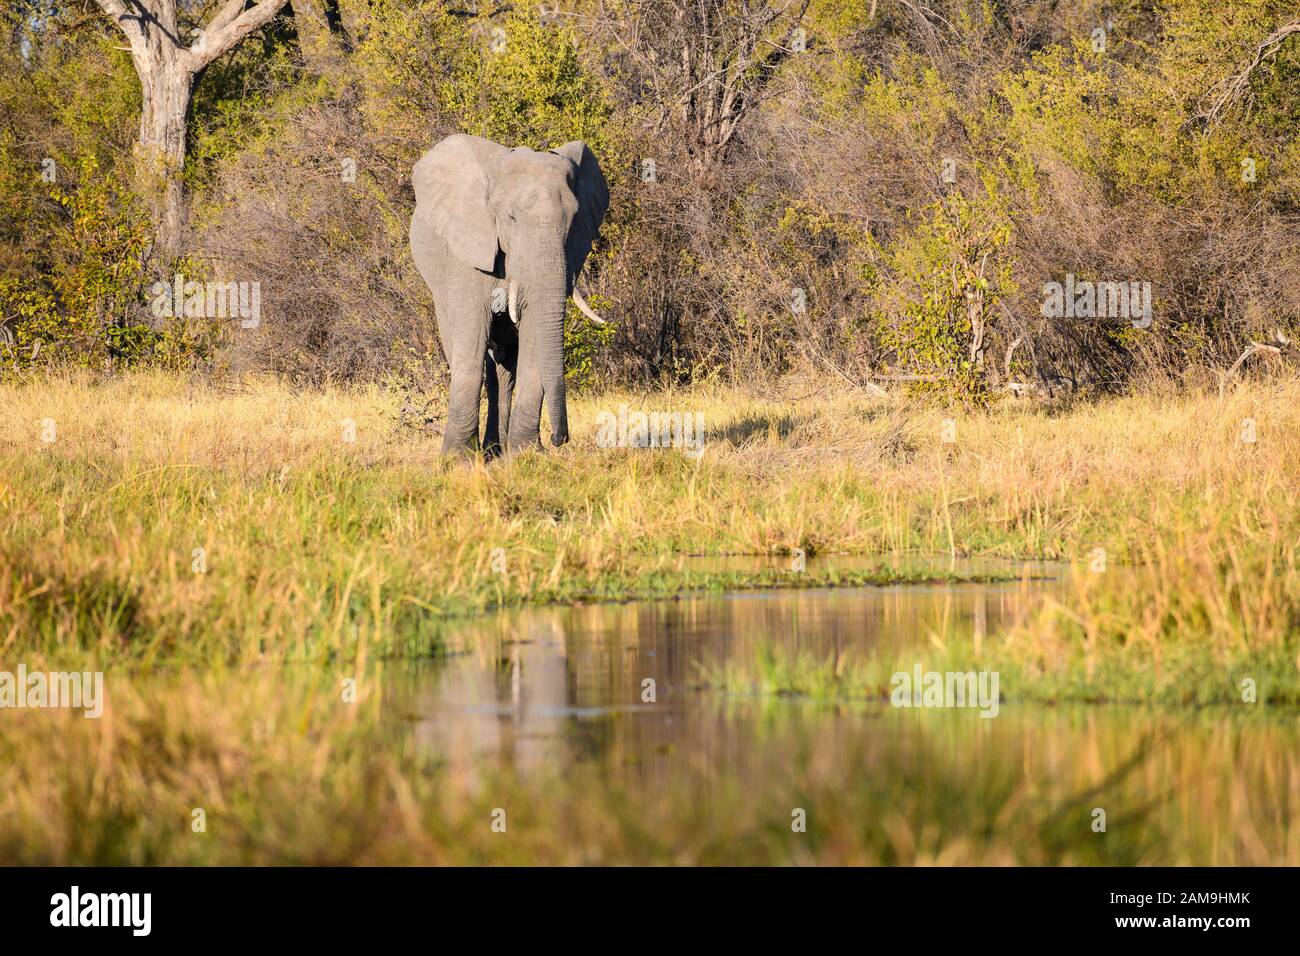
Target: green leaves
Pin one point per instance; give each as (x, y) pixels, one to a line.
(938, 290)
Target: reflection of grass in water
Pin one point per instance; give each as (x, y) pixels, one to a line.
(1183, 676)
(288, 773)
(1224, 630)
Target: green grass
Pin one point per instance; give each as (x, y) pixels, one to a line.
(319, 548)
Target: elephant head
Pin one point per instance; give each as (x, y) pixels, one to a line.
(529, 218)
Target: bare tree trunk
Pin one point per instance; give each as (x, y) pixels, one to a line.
(167, 67)
(160, 153)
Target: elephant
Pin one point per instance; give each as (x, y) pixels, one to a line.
(500, 236)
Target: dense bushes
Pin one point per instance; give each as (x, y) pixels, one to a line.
(71, 238)
(863, 186)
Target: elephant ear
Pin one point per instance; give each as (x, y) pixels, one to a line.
(452, 182)
(593, 200)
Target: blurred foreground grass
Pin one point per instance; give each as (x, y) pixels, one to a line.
(272, 766)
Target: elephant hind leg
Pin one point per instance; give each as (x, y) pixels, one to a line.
(492, 432)
(503, 358)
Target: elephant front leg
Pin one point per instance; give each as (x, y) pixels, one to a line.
(468, 349)
(526, 415)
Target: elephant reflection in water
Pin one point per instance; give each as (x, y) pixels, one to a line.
(507, 702)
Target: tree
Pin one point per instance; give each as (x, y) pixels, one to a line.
(709, 63)
(168, 68)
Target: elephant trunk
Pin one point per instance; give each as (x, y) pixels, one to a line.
(543, 290)
(551, 358)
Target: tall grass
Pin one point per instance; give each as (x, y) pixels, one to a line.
(316, 546)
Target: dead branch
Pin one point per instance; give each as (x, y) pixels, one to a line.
(1234, 88)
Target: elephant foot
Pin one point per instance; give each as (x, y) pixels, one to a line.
(459, 449)
(517, 447)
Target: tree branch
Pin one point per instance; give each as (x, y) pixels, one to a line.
(127, 22)
(1228, 91)
(229, 27)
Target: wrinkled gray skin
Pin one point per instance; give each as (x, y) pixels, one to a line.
(484, 216)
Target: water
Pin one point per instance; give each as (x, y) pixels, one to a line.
(563, 690)
(549, 686)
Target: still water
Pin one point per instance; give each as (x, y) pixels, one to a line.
(536, 691)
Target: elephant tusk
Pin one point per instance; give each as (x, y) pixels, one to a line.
(512, 303)
(585, 309)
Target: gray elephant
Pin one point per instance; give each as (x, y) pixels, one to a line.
(500, 236)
